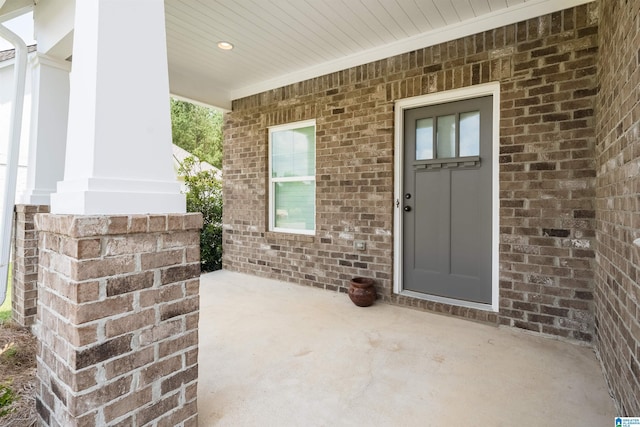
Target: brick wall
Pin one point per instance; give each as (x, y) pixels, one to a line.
(25, 265)
(547, 70)
(618, 202)
(118, 311)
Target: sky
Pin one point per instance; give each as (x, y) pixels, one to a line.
(22, 26)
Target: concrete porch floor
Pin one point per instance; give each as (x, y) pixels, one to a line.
(279, 354)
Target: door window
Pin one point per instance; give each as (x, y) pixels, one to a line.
(424, 139)
(470, 134)
(454, 135)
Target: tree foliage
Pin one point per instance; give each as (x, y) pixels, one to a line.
(204, 194)
(198, 130)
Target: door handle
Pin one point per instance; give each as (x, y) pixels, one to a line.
(407, 208)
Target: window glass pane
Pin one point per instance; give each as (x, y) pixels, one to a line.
(294, 205)
(293, 152)
(470, 134)
(424, 139)
(446, 134)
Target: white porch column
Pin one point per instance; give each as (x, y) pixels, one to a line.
(48, 133)
(118, 157)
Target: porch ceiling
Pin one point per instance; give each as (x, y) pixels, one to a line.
(278, 42)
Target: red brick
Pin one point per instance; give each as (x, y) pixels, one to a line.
(616, 298)
(108, 330)
(538, 169)
(128, 403)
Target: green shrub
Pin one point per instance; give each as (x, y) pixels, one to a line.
(7, 397)
(204, 194)
(5, 315)
(5, 308)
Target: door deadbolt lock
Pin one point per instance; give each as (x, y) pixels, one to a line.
(407, 208)
(407, 196)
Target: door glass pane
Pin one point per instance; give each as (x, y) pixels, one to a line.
(446, 134)
(470, 134)
(293, 152)
(424, 139)
(294, 205)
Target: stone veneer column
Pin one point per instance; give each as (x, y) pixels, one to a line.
(25, 265)
(117, 320)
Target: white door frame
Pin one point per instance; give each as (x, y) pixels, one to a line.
(439, 98)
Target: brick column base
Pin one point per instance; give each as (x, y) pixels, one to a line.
(25, 265)
(117, 320)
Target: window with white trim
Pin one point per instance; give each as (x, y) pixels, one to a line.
(292, 178)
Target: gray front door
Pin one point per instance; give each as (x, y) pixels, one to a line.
(447, 200)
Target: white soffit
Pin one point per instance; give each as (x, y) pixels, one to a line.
(13, 8)
(279, 42)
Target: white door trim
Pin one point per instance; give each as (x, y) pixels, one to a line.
(439, 98)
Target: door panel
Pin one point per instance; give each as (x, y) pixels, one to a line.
(426, 253)
(465, 205)
(447, 222)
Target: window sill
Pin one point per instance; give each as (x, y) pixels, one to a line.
(277, 235)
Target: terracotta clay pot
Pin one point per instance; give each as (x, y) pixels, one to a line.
(362, 291)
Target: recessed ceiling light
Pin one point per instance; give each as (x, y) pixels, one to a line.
(225, 45)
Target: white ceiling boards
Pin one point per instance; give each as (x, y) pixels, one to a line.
(278, 42)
